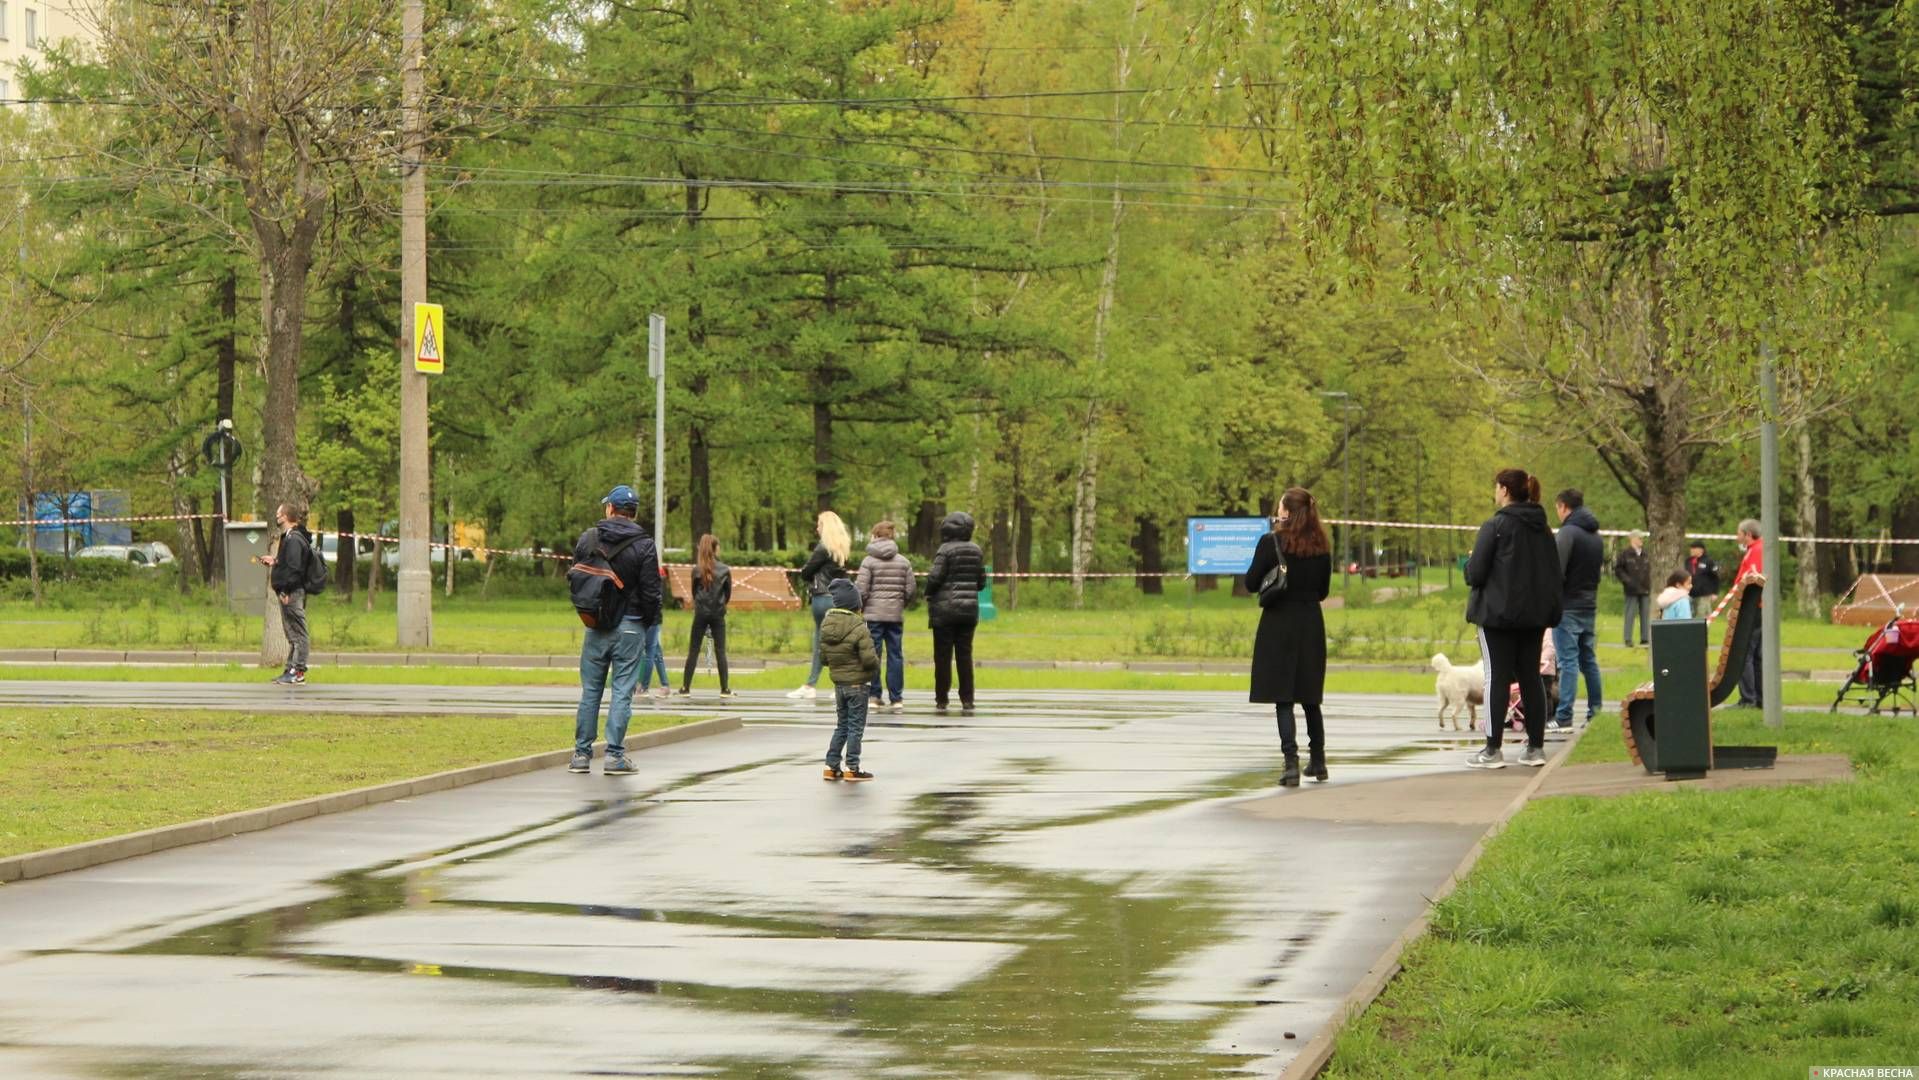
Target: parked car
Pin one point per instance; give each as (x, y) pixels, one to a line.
(158, 554)
(149, 555)
(330, 546)
(390, 553)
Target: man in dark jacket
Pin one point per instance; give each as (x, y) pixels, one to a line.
(1633, 567)
(953, 585)
(1582, 557)
(287, 576)
(1704, 573)
(615, 650)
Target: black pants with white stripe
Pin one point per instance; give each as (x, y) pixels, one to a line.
(1512, 656)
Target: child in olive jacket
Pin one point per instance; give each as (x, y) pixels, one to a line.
(846, 648)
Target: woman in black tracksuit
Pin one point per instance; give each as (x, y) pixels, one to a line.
(1514, 574)
(712, 591)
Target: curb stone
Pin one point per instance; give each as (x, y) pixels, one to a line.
(36, 864)
(1318, 1051)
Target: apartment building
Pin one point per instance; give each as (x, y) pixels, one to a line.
(27, 27)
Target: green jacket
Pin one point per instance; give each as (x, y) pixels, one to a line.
(847, 649)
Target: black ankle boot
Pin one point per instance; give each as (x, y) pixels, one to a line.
(1290, 777)
(1316, 764)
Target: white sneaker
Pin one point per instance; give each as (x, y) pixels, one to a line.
(898, 706)
(663, 692)
(804, 693)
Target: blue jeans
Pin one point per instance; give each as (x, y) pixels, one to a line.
(850, 704)
(821, 605)
(887, 638)
(1573, 640)
(653, 660)
(608, 651)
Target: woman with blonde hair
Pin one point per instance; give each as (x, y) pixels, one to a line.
(826, 565)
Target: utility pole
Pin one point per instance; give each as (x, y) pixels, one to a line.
(1769, 535)
(656, 367)
(415, 593)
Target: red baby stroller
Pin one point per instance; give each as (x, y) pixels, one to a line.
(1885, 669)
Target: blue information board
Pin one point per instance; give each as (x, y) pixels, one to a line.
(1223, 545)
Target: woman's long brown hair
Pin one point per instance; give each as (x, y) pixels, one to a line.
(708, 551)
(1302, 534)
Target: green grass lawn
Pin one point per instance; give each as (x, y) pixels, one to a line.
(1127, 626)
(68, 775)
(1691, 934)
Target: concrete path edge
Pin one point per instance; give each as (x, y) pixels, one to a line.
(59, 860)
(1318, 1051)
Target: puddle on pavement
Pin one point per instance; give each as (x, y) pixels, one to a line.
(1067, 1002)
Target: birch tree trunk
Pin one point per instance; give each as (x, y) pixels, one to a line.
(1808, 571)
(1086, 489)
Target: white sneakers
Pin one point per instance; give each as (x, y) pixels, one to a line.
(804, 693)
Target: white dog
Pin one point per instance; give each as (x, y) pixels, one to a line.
(1462, 686)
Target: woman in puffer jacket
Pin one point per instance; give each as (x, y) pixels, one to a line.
(886, 583)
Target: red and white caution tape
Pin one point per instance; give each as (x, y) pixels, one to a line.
(107, 520)
(1623, 532)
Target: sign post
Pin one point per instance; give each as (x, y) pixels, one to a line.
(429, 339)
(1223, 545)
(656, 367)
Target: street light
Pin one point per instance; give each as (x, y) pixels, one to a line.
(1345, 478)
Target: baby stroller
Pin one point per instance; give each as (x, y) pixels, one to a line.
(1885, 669)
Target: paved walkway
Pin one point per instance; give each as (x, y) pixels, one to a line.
(1067, 884)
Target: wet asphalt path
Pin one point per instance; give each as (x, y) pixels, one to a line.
(1066, 884)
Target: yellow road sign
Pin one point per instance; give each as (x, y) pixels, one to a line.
(429, 339)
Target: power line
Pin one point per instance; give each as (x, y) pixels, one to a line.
(973, 175)
(536, 178)
(979, 151)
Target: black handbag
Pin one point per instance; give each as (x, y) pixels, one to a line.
(1273, 586)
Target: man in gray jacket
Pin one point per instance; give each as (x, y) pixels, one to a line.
(885, 582)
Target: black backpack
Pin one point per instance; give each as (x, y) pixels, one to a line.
(598, 592)
(315, 578)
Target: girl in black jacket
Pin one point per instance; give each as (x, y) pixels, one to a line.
(1514, 574)
(1289, 651)
(712, 591)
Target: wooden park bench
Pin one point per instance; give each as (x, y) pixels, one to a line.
(755, 588)
(1636, 713)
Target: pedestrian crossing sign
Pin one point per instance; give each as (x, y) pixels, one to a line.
(429, 339)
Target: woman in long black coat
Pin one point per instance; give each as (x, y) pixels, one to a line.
(1289, 652)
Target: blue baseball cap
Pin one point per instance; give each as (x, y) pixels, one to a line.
(622, 498)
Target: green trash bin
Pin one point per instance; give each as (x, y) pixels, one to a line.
(1682, 730)
(986, 608)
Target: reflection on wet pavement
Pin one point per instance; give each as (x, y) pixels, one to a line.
(1062, 885)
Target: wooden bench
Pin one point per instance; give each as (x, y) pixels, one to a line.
(755, 588)
(1636, 712)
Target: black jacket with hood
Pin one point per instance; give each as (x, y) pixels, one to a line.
(290, 562)
(957, 575)
(1514, 572)
(638, 566)
(1582, 559)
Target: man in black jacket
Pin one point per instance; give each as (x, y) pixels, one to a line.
(616, 650)
(287, 575)
(1633, 567)
(1705, 579)
(953, 584)
(1582, 557)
